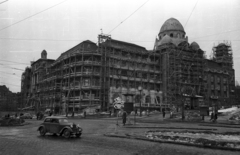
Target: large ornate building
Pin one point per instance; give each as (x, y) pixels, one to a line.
(92, 74)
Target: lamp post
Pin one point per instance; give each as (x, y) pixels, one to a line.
(140, 90)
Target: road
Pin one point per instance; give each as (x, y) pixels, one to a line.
(25, 140)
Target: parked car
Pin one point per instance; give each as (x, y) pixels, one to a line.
(59, 125)
(26, 116)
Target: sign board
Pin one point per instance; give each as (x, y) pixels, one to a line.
(204, 111)
(118, 103)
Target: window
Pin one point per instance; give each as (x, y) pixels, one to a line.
(47, 120)
(55, 121)
(171, 35)
(212, 79)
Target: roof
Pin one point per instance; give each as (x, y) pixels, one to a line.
(94, 47)
(195, 45)
(172, 24)
(124, 45)
(41, 60)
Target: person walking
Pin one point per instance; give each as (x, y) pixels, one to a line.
(124, 117)
(110, 113)
(163, 113)
(212, 115)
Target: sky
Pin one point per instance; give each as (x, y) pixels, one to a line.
(27, 27)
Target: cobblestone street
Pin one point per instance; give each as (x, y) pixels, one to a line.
(25, 140)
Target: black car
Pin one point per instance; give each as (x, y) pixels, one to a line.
(59, 125)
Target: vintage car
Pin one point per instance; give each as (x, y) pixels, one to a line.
(59, 125)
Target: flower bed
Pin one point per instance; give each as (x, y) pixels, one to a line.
(205, 138)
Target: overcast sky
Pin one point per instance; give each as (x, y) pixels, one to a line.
(58, 25)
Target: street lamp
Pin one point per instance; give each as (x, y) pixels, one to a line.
(140, 90)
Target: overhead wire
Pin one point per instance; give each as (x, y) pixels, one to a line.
(33, 15)
(11, 84)
(3, 1)
(33, 39)
(128, 17)
(191, 14)
(14, 62)
(216, 34)
(9, 73)
(11, 67)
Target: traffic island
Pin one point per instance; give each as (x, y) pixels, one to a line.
(226, 141)
(205, 139)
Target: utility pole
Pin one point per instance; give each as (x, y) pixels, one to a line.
(183, 115)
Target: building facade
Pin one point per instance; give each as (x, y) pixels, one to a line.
(174, 73)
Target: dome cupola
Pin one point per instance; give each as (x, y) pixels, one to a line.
(195, 46)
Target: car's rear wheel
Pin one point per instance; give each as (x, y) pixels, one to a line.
(78, 135)
(66, 133)
(42, 131)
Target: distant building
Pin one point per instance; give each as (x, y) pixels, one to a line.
(38, 69)
(8, 100)
(25, 87)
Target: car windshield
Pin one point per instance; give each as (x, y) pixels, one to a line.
(63, 120)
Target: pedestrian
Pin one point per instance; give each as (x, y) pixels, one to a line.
(136, 112)
(16, 115)
(38, 114)
(73, 114)
(215, 116)
(212, 114)
(163, 112)
(110, 113)
(124, 117)
(84, 114)
(171, 112)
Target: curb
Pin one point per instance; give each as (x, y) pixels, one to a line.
(171, 142)
(173, 128)
(224, 126)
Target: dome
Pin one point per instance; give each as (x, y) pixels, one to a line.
(166, 39)
(172, 24)
(195, 46)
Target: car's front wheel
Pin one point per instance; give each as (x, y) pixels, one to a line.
(42, 131)
(66, 133)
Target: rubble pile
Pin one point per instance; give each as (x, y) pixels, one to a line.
(11, 121)
(235, 116)
(206, 139)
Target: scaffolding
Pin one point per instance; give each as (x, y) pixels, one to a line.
(182, 72)
(103, 48)
(222, 53)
